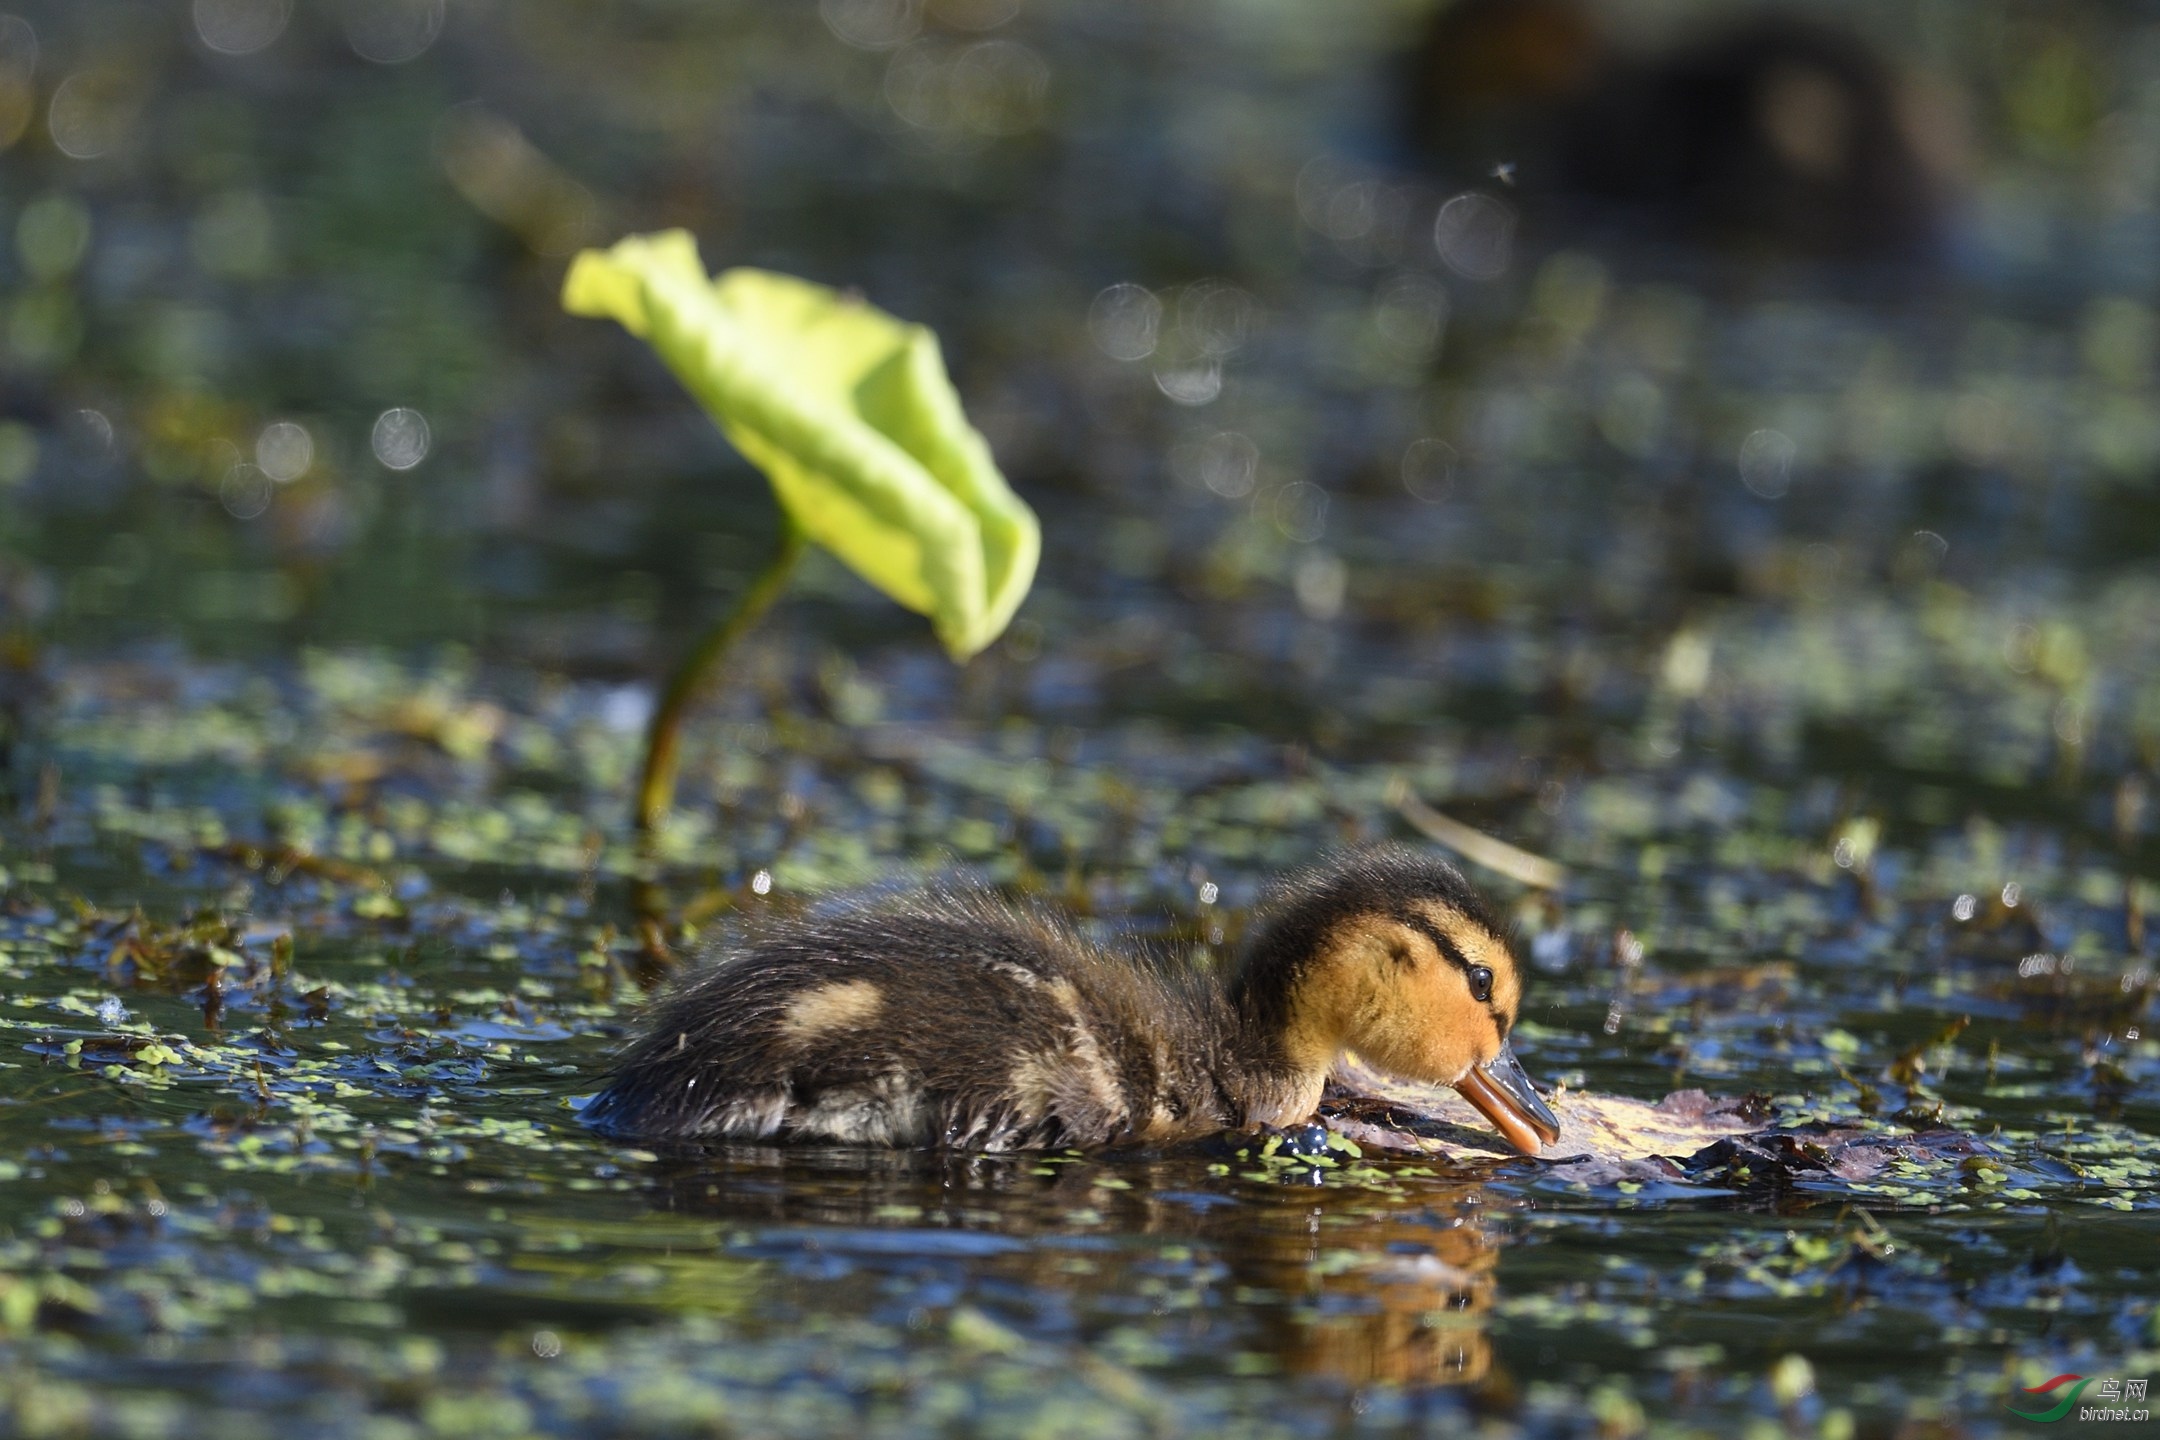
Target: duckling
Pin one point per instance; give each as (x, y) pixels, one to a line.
(1773, 133)
(955, 1018)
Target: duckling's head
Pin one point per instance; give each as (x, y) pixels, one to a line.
(1389, 952)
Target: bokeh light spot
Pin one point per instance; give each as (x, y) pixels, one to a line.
(1316, 183)
(93, 112)
(1475, 236)
(1000, 87)
(1352, 211)
(1215, 315)
(1766, 459)
(391, 32)
(1227, 464)
(1124, 321)
(1428, 470)
(245, 492)
(92, 442)
(1197, 383)
(241, 27)
(1321, 583)
(2021, 648)
(1301, 510)
(285, 451)
(872, 24)
(400, 438)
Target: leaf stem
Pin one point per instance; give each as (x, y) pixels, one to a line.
(663, 737)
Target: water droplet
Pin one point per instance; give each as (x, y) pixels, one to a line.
(761, 883)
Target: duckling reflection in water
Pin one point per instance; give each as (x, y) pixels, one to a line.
(1411, 1311)
(956, 1019)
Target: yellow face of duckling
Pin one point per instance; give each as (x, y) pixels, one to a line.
(1430, 994)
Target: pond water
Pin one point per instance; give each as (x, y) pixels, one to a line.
(1806, 615)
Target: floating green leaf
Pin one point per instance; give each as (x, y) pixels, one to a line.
(849, 413)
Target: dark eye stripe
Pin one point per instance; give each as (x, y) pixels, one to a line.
(1453, 953)
(1441, 942)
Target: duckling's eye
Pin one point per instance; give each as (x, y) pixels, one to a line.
(1480, 984)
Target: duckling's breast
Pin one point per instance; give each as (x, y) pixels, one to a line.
(959, 1023)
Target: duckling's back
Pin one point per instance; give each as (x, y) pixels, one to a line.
(946, 1019)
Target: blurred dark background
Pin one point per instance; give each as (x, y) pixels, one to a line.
(1319, 336)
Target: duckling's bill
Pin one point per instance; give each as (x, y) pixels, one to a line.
(1502, 1094)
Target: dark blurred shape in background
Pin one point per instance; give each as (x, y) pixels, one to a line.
(1776, 132)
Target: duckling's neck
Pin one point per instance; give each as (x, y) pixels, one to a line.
(1290, 1032)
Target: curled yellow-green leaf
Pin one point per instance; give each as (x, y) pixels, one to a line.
(850, 415)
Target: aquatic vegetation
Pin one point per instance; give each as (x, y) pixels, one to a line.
(362, 1159)
(849, 414)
